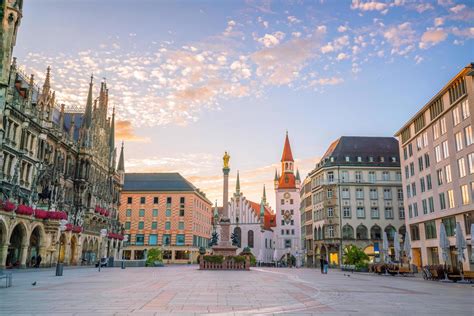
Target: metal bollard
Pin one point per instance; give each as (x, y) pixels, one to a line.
(123, 264)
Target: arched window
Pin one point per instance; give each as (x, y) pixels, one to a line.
(347, 232)
(250, 238)
(376, 232)
(320, 231)
(390, 230)
(361, 232)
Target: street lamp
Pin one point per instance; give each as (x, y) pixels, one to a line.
(103, 233)
(59, 265)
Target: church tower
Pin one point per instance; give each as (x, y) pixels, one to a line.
(287, 234)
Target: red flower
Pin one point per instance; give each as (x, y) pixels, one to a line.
(41, 214)
(8, 206)
(24, 210)
(59, 215)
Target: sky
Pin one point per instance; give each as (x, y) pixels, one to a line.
(192, 79)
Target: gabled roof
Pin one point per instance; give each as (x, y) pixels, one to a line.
(157, 182)
(269, 218)
(287, 154)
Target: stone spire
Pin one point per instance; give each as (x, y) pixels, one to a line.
(47, 82)
(112, 132)
(237, 185)
(121, 164)
(88, 115)
(72, 127)
(264, 197)
(298, 175)
(61, 118)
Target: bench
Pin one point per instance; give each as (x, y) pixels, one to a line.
(8, 278)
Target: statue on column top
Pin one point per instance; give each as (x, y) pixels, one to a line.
(226, 159)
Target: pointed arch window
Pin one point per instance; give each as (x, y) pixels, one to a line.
(250, 239)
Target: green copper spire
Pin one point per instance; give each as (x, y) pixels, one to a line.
(298, 175)
(264, 198)
(276, 175)
(262, 210)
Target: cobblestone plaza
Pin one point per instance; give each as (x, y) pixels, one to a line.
(185, 290)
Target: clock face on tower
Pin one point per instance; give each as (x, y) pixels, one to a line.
(286, 195)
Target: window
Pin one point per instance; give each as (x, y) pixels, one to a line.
(388, 213)
(142, 200)
(359, 193)
(470, 162)
(128, 212)
(155, 212)
(140, 240)
(413, 189)
(358, 176)
(330, 176)
(331, 231)
(168, 212)
(461, 167)
(345, 193)
(405, 153)
(291, 201)
(465, 194)
(401, 213)
(420, 163)
(373, 194)
(153, 239)
(181, 212)
(154, 225)
(180, 225)
(374, 212)
(442, 122)
(431, 204)
(386, 176)
(414, 232)
(450, 225)
(346, 211)
(442, 201)
(287, 243)
(345, 176)
(422, 184)
(436, 130)
(425, 139)
(451, 202)
(127, 225)
(180, 239)
(141, 212)
(412, 169)
(465, 109)
(456, 116)
(129, 200)
(410, 211)
(166, 239)
(387, 194)
(408, 191)
(440, 175)
(250, 239)
(330, 212)
(400, 194)
(429, 185)
(329, 192)
(282, 202)
(155, 200)
(427, 160)
(430, 229)
(168, 201)
(445, 149)
(410, 150)
(407, 172)
(398, 176)
(141, 225)
(372, 177)
(415, 209)
(167, 225)
(419, 143)
(447, 171)
(459, 141)
(359, 159)
(348, 159)
(360, 212)
(438, 153)
(424, 204)
(468, 135)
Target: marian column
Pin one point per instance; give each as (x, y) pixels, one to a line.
(225, 246)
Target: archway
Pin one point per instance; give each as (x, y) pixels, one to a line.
(250, 239)
(390, 230)
(376, 232)
(85, 248)
(72, 259)
(36, 239)
(347, 232)
(95, 253)
(18, 239)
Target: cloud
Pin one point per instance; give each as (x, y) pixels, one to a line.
(438, 21)
(124, 131)
(422, 7)
(342, 56)
(465, 33)
(327, 81)
(401, 37)
(293, 20)
(368, 5)
(269, 40)
(458, 8)
(342, 28)
(432, 37)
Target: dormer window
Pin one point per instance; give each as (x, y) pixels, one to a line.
(332, 159)
(382, 159)
(359, 159)
(371, 159)
(394, 159)
(348, 159)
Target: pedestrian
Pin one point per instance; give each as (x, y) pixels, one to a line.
(33, 261)
(38, 260)
(321, 263)
(326, 265)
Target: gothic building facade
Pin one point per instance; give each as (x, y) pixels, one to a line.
(59, 180)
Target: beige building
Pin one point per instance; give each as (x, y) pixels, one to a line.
(437, 154)
(306, 211)
(357, 194)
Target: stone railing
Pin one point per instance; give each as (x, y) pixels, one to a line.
(228, 263)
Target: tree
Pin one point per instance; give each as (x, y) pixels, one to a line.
(355, 256)
(235, 240)
(154, 255)
(214, 239)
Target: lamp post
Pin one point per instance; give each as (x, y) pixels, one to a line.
(59, 265)
(103, 233)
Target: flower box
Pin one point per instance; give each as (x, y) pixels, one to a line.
(41, 214)
(8, 206)
(24, 210)
(73, 228)
(59, 215)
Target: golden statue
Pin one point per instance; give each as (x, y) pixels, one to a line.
(226, 159)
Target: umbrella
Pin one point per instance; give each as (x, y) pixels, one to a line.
(444, 243)
(460, 243)
(385, 248)
(396, 246)
(472, 242)
(407, 246)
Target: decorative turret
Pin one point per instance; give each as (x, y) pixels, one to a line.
(121, 166)
(237, 184)
(287, 157)
(298, 179)
(276, 179)
(72, 127)
(88, 115)
(61, 118)
(11, 13)
(264, 197)
(47, 82)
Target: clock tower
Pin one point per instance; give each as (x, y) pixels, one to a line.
(287, 233)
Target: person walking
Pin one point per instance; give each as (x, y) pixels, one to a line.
(326, 265)
(38, 261)
(321, 263)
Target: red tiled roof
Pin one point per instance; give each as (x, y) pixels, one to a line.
(287, 155)
(269, 217)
